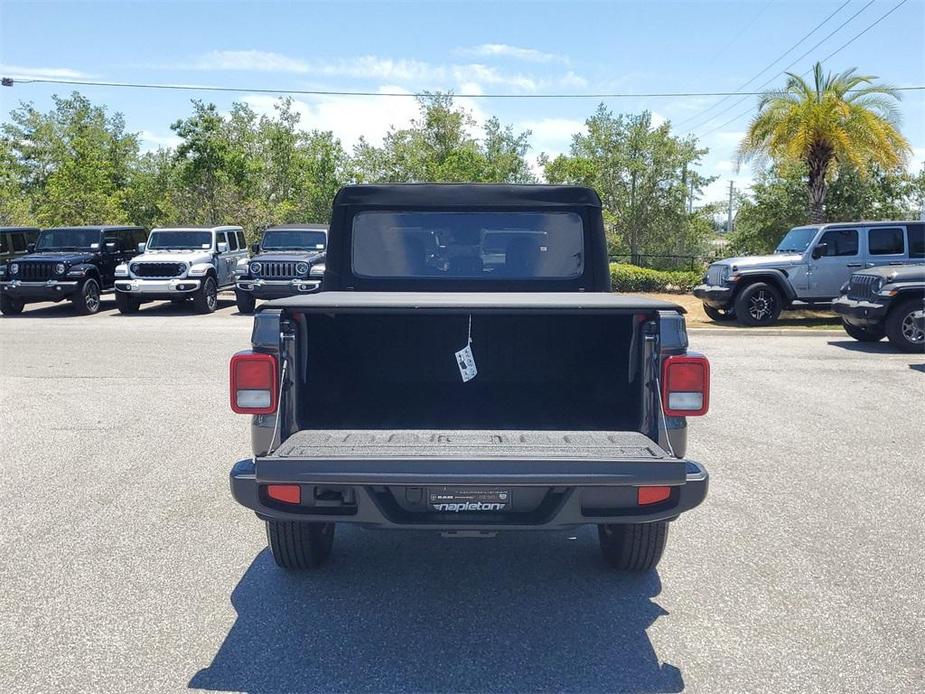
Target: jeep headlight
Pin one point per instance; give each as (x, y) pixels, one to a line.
(877, 285)
(301, 268)
(59, 269)
(255, 268)
(14, 268)
(134, 268)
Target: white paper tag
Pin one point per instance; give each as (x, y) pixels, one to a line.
(466, 362)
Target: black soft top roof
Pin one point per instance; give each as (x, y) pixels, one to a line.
(472, 195)
(306, 227)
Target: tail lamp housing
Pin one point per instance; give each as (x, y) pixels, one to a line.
(686, 385)
(254, 383)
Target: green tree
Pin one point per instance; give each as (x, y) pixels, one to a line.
(644, 176)
(842, 118)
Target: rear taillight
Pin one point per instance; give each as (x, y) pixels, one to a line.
(254, 383)
(686, 385)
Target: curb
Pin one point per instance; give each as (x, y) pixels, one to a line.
(778, 332)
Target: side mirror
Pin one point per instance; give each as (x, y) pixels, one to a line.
(255, 248)
(30, 248)
(141, 247)
(222, 247)
(820, 250)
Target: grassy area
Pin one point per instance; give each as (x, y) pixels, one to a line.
(696, 318)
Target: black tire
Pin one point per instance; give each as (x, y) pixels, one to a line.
(905, 325)
(298, 544)
(206, 299)
(126, 303)
(758, 304)
(245, 301)
(11, 305)
(863, 334)
(86, 299)
(718, 315)
(633, 546)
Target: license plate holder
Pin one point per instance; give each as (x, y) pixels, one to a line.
(468, 499)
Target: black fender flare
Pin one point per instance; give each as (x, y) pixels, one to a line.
(772, 276)
(86, 270)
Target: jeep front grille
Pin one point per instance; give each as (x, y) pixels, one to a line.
(158, 269)
(278, 270)
(716, 275)
(36, 271)
(861, 287)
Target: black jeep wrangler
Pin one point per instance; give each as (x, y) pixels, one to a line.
(76, 263)
(289, 259)
(465, 369)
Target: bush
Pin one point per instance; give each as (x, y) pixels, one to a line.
(631, 278)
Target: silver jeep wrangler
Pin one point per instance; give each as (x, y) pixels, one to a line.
(808, 268)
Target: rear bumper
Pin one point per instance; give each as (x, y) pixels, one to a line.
(715, 296)
(277, 289)
(51, 290)
(566, 493)
(862, 313)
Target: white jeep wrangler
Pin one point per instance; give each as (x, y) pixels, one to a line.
(180, 264)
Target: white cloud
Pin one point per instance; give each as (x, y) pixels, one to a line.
(658, 119)
(917, 160)
(151, 141)
(724, 166)
(253, 61)
(63, 73)
(503, 50)
(571, 79)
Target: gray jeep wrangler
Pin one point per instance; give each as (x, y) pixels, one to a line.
(808, 268)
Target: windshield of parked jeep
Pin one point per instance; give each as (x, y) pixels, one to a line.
(796, 240)
(293, 240)
(468, 245)
(179, 240)
(67, 239)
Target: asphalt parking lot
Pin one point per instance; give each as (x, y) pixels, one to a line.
(128, 567)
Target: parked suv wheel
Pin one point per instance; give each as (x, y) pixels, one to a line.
(206, 299)
(87, 298)
(718, 315)
(299, 544)
(905, 326)
(864, 334)
(758, 304)
(633, 546)
(10, 305)
(246, 301)
(126, 303)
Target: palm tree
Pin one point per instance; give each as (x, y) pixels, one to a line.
(840, 118)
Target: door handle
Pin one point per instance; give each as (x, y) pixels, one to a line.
(853, 265)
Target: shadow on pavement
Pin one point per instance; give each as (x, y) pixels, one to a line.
(917, 367)
(409, 611)
(882, 347)
(60, 309)
(169, 308)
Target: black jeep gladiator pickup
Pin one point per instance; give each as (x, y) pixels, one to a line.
(466, 369)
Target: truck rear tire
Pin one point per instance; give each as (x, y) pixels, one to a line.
(86, 300)
(245, 301)
(126, 303)
(633, 546)
(10, 305)
(298, 544)
(718, 315)
(905, 325)
(759, 304)
(863, 334)
(206, 299)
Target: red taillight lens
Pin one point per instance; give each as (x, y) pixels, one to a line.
(647, 496)
(254, 383)
(287, 493)
(686, 385)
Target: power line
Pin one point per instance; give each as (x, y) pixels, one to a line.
(769, 65)
(11, 81)
(837, 50)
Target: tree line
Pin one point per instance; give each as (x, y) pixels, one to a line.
(79, 164)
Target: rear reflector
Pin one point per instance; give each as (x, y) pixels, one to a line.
(287, 493)
(686, 385)
(254, 383)
(652, 495)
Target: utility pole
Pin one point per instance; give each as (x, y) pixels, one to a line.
(690, 198)
(729, 214)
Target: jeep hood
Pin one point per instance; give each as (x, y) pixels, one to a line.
(761, 261)
(191, 257)
(67, 257)
(288, 256)
(897, 273)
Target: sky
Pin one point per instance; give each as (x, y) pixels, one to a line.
(502, 47)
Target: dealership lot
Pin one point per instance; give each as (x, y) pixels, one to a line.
(127, 566)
